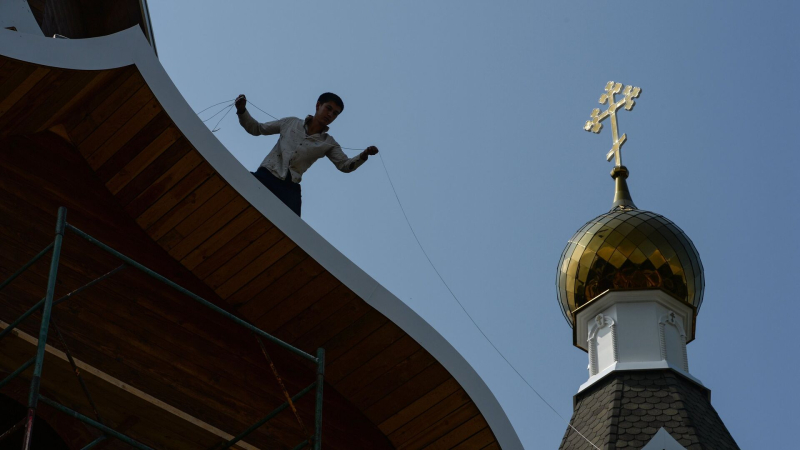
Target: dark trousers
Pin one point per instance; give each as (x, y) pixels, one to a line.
(286, 190)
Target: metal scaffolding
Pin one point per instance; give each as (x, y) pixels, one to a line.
(46, 305)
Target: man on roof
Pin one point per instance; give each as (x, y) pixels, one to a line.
(300, 144)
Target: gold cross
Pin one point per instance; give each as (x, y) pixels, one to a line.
(595, 126)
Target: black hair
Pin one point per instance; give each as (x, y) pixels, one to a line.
(331, 97)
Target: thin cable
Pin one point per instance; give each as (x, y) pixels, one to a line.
(220, 120)
(256, 107)
(408, 222)
(216, 113)
(215, 104)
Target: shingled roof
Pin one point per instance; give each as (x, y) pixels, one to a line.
(626, 409)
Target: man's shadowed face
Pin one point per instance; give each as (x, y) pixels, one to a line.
(327, 112)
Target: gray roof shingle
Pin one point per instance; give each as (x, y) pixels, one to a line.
(625, 410)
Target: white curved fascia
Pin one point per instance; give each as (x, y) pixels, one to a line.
(130, 47)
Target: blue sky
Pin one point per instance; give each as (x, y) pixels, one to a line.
(478, 110)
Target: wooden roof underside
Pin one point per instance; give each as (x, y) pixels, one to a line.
(128, 176)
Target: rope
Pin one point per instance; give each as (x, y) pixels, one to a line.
(220, 120)
(215, 104)
(216, 113)
(408, 222)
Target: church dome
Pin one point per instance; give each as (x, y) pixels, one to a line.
(628, 249)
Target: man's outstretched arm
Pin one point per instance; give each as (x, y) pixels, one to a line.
(251, 125)
(345, 164)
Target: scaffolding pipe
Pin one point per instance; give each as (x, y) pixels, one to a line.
(19, 320)
(75, 369)
(318, 407)
(33, 396)
(11, 430)
(94, 442)
(269, 416)
(301, 445)
(38, 305)
(25, 267)
(190, 294)
(94, 423)
(17, 372)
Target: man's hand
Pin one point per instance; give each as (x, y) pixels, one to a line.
(241, 102)
(371, 150)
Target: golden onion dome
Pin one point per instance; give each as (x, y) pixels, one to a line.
(628, 249)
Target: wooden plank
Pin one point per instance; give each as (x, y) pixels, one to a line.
(418, 407)
(221, 237)
(182, 200)
(167, 181)
(17, 118)
(96, 108)
(238, 245)
(322, 309)
(155, 171)
(210, 228)
(337, 323)
(266, 276)
(18, 85)
(120, 128)
(143, 159)
(91, 82)
(138, 134)
(110, 124)
(14, 78)
(434, 427)
(7, 67)
(258, 249)
(292, 305)
(405, 395)
(265, 251)
(481, 439)
(199, 216)
(463, 434)
(397, 376)
(493, 446)
(353, 335)
(383, 362)
(280, 288)
(344, 362)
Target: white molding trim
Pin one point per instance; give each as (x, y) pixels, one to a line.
(130, 47)
(669, 319)
(600, 322)
(634, 366)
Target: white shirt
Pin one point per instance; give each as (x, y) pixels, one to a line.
(296, 150)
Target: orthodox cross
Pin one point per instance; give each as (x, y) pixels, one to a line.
(595, 126)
